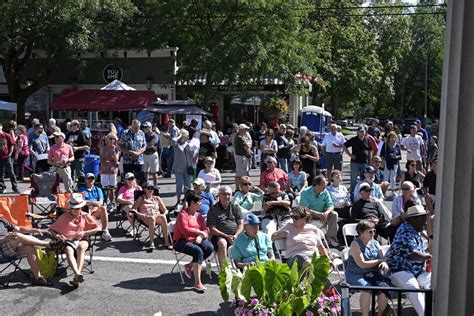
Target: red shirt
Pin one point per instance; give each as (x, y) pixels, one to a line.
(187, 226)
(6, 144)
(373, 143)
(277, 175)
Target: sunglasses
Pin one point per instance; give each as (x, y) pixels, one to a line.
(296, 217)
(412, 165)
(371, 231)
(130, 179)
(150, 188)
(246, 184)
(377, 161)
(406, 189)
(90, 179)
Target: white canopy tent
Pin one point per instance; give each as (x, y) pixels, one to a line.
(117, 85)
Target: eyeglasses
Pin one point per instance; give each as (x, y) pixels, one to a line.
(406, 189)
(371, 231)
(246, 184)
(412, 165)
(208, 162)
(90, 179)
(377, 161)
(130, 179)
(297, 217)
(150, 188)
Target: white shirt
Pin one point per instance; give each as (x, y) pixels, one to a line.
(329, 139)
(414, 143)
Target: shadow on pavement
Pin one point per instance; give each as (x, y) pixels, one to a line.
(164, 283)
(224, 309)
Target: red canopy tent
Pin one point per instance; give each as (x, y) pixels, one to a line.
(102, 100)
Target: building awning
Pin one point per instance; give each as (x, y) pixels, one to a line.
(102, 100)
(176, 107)
(7, 106)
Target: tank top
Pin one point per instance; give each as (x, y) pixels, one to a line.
(369, 252)
(307, 164)
(415, 179)
(149, 206)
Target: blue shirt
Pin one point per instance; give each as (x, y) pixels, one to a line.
(135, 142)
(297, 180)
(407, 240)
(94, 194)
(245, 247)
(376, 193)
(319, 203)
(207, 199)
(39, 143)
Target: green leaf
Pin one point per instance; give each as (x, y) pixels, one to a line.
(256, 279)
(246, 287)
(294, 275)
(319, 274)
(300, 304)
(276, 277)
(225, 281)
(285, 308)
(236, 285)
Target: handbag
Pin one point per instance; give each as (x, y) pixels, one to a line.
(47, 262)
(189, 169)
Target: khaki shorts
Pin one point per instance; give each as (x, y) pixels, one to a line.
(151, 163)
(241, 166)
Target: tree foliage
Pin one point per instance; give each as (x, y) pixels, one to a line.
(59, 30)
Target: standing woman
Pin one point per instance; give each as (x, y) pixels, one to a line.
(191, 237)
(183, 164)
(309, 155)
(22, 151)
(268, 147)
(391, 154)
(109, 162)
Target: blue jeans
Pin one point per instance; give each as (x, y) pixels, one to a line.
(182, 179)
(199, 252)
(283, 163)
(356, 169)
(164, 159)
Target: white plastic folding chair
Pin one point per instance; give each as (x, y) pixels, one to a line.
(178, 255)
(280, 247)
(349, 230)
(337, 262)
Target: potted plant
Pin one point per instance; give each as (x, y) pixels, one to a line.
(275, 107)
(279, 290)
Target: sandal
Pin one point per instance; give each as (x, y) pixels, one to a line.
(169, 247)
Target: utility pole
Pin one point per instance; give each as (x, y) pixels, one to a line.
(426, 87)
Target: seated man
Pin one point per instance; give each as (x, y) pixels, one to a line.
(251, 244)
(272, 173)
(367, 208)
(225, 223)
(14, 242)
(95, 203)
(369, 177)
(378, 174)
(320, 204)
(406, 257)
(276, 208)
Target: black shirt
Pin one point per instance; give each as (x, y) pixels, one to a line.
(277, 210)
(430, 182)
(206, 150)
(225, 220)
(360, 148)
(149, 138)
(363, 209)
(77, 139)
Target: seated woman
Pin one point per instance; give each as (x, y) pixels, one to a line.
(210, 175)
(74, 227)
(365, 255)
(207, 199)
(303, 240)
(400, 201)
(340, 195)
(412, 175)
(191, 237)
(296, 180)
(150, 210)
(251, 244)
(126, 197)
(246, 199)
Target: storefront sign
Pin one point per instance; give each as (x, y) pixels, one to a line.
(112, 72)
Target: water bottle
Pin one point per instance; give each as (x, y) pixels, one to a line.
(208, 267)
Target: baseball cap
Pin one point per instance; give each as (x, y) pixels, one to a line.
(251, 219)
(364, 186)
(417, 121)
(129, 175)
(59, 134)
(199, 181)
(149, 184)
(171, 121)
(146, 124)
(369, 169)
(243, 126)
(90, 175)
(361, 129)
(289, 126)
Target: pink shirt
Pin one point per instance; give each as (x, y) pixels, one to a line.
(277, 175)
(60, 153)
(68, 226)
(128, 193)
(22, 142)
(303, 241)
(187, 226)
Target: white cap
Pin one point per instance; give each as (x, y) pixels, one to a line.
(243, 126)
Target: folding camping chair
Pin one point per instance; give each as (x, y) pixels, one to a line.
(139, 225)
(44, 188)
(14, 209)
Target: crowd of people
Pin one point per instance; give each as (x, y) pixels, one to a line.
(300, 194)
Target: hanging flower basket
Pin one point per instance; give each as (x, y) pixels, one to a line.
(274, 106)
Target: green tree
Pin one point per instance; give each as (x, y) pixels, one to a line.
(232, 41)
(57, 30)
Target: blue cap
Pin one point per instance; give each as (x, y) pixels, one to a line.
(251, 219)
(369, 169)
(417, 121)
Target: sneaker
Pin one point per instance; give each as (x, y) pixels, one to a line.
(200, 288)
(188, 270)
(16, 191)
(106, 235)
(41, 282)
(333, 243)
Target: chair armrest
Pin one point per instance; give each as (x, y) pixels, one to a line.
(28, 191)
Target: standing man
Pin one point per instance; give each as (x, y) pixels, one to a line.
(421, 130)
(242, 154)
(174, 133)
(60, 157)
(361, 154)
(321, 206)
(87, 132)
(118, 126)
(39, 148)
(214, 138)
(79, 143)
(151, 160)
(333, 143)
(133, 145)
(374, 129)
(225, 223)
(6, 161)
(414, 146)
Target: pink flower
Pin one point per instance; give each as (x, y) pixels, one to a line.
(241, 303)
(254, 301)
(320, 300)
(334, 310)
(263, 312)
(309, 313)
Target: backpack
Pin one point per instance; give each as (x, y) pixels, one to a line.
(47, 262)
